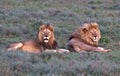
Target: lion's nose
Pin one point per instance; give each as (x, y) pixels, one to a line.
(95, 35)
(45, 35)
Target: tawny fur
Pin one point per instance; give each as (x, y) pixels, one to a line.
(86, 38)
(38, 44)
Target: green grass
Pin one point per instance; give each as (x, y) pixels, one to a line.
(20, 19)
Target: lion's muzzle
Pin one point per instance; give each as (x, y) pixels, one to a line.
(46, 39)
(95, 39)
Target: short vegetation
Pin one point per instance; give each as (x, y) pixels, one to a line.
(20, 19)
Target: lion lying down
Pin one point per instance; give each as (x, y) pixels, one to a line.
(45, 41)
(86, 38)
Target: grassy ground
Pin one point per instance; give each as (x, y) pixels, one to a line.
(20, 19)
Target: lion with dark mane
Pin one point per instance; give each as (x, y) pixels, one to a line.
(86, 38)
(45, 40)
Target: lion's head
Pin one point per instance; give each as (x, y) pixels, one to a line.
(46, 33)
(88, 33)
(46, 37)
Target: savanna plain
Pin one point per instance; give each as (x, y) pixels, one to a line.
(20, 20)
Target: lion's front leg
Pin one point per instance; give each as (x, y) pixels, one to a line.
(60, 50)
(100, 49)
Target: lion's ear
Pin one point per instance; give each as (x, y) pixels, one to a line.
(95, 24)
(51, 27)
(85, 27)
(84, 30)
(41, 27)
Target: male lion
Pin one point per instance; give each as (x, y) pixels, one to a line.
(86, 38)
(45, 40)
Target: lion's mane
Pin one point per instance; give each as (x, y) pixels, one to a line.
(85, 33)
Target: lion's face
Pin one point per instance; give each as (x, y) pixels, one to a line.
(94, 35)
(91, 33)
(46, 33)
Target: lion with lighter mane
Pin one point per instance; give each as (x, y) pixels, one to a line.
(45, 40)
(86, 38)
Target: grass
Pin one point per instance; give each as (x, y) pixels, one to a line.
(20, 19)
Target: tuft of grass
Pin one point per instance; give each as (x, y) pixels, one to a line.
(105, 39)
(95, 2)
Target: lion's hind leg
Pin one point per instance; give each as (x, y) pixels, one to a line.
(14, 46)
(74, 48)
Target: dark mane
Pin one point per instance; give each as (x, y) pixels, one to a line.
(54, 45)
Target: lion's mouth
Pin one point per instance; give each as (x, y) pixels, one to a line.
(46, 39)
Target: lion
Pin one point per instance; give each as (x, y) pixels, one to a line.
(86, 38)
(45, 40)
